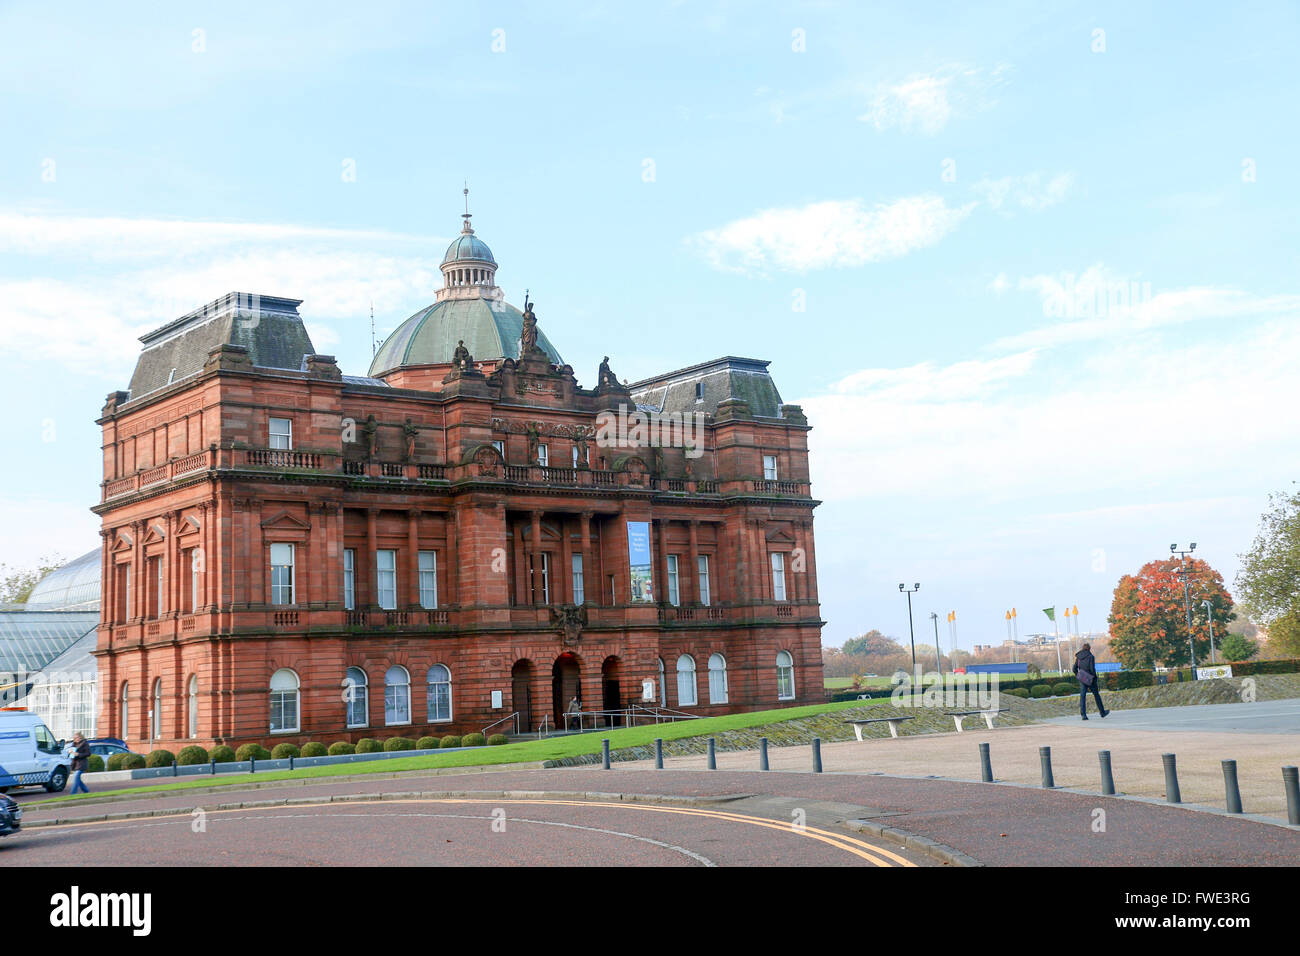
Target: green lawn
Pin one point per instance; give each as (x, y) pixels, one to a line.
(552, 748)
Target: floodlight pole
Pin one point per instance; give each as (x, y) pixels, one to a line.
(1209, 620)
(1186, 575)
(938, 654)
(910, 629)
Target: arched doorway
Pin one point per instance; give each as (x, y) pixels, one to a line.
(611, 692)
(521, 693)
(566, 684)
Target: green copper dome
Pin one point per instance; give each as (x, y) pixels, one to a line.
(468, 246)
(490, 331)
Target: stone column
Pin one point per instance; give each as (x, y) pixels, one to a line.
(257, 559)
(173, 559)
(565, 575)
(584, 543)
(693, 528)
(451, 523)
(413, 549)
(138, 570)
(107, 603)
(371, 559)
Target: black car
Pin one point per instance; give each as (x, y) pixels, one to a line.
(107, 746)
(10, 815)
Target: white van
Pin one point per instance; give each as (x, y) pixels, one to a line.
(30, 756)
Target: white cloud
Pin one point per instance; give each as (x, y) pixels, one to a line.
(925, 102)
(1033, 192)
(926, 383)
(828, 234)
(92, 322)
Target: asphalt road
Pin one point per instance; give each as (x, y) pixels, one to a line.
(997, 825)
(1259, 717)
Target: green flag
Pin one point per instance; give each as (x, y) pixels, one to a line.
(1050, 612)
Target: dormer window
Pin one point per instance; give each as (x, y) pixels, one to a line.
(281, 432)
(699, 392)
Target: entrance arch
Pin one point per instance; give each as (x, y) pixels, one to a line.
(521, 693)
(566, 683)
(611, 691)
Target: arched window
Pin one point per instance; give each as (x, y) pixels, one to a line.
(193, 708)
(397, 696)
(663, 687)
(439, 693)
(356, 687)
(284, 701)
(717, 679)
(125, 728)
(686, 681)
(155, 724)
(784, 676)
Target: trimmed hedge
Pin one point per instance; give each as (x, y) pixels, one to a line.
(132, 761)
(1247, 668)
(1016, 692)
(496, 740)
(252, 752)
(313, 749)
(191, 755)
(1039, 691)
(1064, 689)
(160, 758)
(473, 740)
(427, 743)
(367, 745)
(94, 763)
(342, 748)
(284, 751)
(222, 754)
(450, 741)
(398, 743)
(114, 761)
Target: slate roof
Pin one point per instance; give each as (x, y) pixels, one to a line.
(729, 377)
(268, 326)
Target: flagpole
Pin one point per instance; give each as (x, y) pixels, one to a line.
(1057, 625)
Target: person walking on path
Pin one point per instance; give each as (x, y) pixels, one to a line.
(1085, 669)
(80, 763)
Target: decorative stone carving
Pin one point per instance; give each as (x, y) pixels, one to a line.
(371, 430)
(409, 432)
(569, 620)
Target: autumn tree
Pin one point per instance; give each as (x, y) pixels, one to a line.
(1269, 579)
(1148, 614)
(872, 642)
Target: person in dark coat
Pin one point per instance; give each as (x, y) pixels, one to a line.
(1085, 669)
(80, 763)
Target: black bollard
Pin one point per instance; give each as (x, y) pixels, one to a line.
(213, 765)
(174, 772)
(1291, 781)
(762, 753)
(1045, 758)
(1107, 781)
(1172, 793)
(986, 765)
(291, 763)
(604, 753)
(817, 755)
(1231, 791)
(713, 757)
(659, 753)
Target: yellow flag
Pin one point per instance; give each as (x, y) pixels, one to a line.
(1008, 615)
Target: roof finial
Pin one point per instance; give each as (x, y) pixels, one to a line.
(466, 227)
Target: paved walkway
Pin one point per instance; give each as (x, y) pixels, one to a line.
(1135, 759)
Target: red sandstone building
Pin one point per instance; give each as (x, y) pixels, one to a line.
(462, 535)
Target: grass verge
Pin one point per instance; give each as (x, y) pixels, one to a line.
(552, 748)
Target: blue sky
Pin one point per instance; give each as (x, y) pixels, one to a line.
(1034, 285)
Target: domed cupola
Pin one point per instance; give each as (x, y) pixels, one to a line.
(468, 269)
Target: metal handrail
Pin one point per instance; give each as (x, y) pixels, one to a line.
(514, 717)
(546, 721)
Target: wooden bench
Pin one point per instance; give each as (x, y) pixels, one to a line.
(959, 716)
(893, 724)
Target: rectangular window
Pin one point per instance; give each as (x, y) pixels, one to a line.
(500, 446)
(196, 578)
(158, 607)
(699, 391)
(281, 433)
(769, 467)
(579, 592)
(281, 574)
(386, 565)
(124, 590)
(575, 456)
(703, 578)
(539, 567)
(349, 578)
(778, 576)
(429, 579)
(543, 456)
(673, 595)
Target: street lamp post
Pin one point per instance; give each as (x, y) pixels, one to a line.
(1186, 575)
(1209, 620)
(938, 655)
(909, 592)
